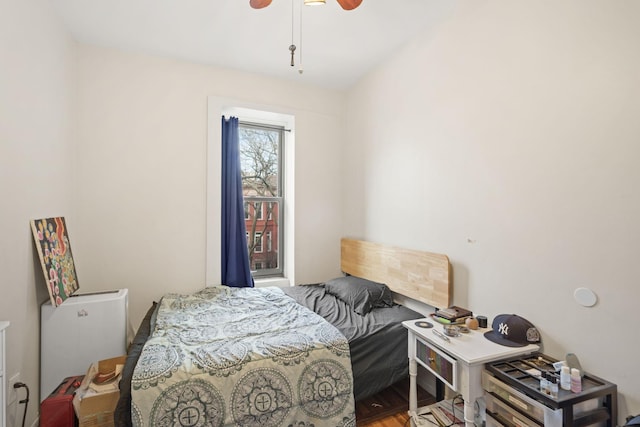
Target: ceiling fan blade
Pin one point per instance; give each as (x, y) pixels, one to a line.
(259, 4)
(349, 4)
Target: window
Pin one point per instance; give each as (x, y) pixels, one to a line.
(261, 161)
(281, 272)
(257, 243)
(257, 207)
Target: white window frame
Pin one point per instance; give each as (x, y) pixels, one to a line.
(270, 115)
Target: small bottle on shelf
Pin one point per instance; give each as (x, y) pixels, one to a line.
(544, 383)
(565, 378)
(553, 387)
(576, 381)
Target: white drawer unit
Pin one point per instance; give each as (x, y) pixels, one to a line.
(511, 416)
(508, 407)
(497, 393)
(513, 397)
(3, 374)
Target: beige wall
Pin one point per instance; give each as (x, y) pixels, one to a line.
(122, 140)
(142, 171)
(507, 138)
(36, 171)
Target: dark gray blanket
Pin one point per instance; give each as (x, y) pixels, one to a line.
(377, 340)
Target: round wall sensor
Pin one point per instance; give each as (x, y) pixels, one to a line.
(585, 297)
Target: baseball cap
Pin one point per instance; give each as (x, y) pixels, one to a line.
(512, 330)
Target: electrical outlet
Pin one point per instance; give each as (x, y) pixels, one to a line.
(12, 391)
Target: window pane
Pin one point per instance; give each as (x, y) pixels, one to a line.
(259, 158)
(261, 163)
(257, 238)
(258, 209)
(262, 238)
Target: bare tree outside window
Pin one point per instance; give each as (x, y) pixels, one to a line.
(261, 163)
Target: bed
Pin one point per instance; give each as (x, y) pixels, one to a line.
(307, 337)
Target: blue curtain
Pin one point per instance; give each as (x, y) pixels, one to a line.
(236, 271)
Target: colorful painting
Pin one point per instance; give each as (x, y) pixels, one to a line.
(52, 242)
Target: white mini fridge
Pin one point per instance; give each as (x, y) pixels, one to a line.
(82, 330)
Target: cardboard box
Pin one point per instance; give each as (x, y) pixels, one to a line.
(95, 409)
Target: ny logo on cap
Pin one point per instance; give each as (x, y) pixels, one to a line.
(503, 329)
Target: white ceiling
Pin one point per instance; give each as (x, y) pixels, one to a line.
(338, 46)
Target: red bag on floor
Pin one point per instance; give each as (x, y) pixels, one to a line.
(57, 409)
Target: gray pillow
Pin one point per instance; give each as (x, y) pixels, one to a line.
(361, 295)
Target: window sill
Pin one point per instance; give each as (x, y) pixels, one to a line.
(281, 282)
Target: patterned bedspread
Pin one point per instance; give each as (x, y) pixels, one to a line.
(242, 357)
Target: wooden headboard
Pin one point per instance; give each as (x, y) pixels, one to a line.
(423, 276)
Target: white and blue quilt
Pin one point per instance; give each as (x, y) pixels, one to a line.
(242, 357)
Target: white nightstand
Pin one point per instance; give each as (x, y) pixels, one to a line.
(458, 363)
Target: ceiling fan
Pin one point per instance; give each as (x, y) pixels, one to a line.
(346, 4)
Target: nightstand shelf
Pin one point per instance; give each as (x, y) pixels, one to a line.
(444, 413)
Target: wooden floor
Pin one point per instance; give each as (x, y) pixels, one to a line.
(401, 419)
(389, 407)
